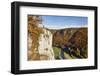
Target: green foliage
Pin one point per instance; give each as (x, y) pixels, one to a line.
(56, 52)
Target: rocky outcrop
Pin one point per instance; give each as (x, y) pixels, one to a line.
(45, 45)
(39, 40)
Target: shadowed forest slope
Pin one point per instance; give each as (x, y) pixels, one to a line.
(74, 38)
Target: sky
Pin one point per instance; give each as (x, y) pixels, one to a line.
(64, 21)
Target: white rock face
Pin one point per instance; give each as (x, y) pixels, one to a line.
(45, 45)
(40, 25)
(45, 49)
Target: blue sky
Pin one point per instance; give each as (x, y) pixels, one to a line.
(64, 21)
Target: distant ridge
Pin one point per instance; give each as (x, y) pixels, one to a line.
(67, 26)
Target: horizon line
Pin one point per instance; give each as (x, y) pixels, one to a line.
(60, 27)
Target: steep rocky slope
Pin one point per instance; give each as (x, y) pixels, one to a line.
(39, 40)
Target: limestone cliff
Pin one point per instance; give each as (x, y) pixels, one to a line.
(39, 40)
(45, 45)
